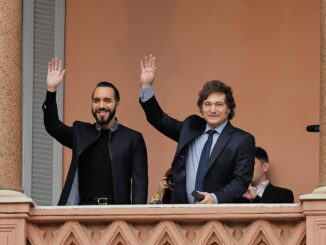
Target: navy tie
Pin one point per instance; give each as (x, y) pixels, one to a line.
(203, 162)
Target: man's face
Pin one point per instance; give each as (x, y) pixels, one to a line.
(215, 110)
(104, 105)
(260, 172)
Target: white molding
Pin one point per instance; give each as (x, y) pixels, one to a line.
(59, 52)
(27, 97)
(27, 91)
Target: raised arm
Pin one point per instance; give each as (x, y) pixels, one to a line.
(154, 114)
(53, 125)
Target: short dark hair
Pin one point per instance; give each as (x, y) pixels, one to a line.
(109, 85)
(261, 154)
(216, 86)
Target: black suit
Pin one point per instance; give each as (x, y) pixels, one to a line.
(272, 194)
(231, 162)
(128, 156)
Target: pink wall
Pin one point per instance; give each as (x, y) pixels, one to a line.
(268, 51)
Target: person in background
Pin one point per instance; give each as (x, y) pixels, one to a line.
(261, 189)
(165, 187)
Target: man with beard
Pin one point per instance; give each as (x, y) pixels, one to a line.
(107, 157)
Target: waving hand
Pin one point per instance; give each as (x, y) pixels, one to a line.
(55, 75)
(148, 70)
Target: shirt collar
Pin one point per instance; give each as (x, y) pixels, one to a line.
(261, 188)
(218, 129)
(265, 183)
(113, 127)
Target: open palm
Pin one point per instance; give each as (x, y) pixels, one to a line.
(148, 70)
(55, 75)
(147, 75)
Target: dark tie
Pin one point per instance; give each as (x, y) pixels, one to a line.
(203, 162)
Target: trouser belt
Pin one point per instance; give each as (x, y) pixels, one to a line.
(102, 200)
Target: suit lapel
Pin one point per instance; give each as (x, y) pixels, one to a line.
(87, 137)
(195, 128)
(267, 193)
(222, 140)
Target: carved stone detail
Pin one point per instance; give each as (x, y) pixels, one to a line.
(256, 232)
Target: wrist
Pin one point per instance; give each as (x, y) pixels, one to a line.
(146, 85)
(51, 89)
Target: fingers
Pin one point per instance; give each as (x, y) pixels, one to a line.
(163, 186)
(164, 183)
(60, 65)
(208, 198)
(54, 65)
(153, 63)
(166, 186)
(246, 195)
(148, 62)
(49, 66)
(142, 65)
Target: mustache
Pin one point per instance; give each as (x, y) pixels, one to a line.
(102, 109)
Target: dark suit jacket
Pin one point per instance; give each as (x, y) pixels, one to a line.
(127, 151)
(231, 163)
(272, 194)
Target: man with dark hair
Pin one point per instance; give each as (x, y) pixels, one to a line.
(109, 160)
(261, 189)
(261, 154)
(212, 157)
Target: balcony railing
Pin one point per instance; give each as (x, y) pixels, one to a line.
(167, 224)
(22, 222)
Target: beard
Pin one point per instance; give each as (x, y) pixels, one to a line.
(101, 119)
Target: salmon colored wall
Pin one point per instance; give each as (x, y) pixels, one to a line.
(268, 51)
